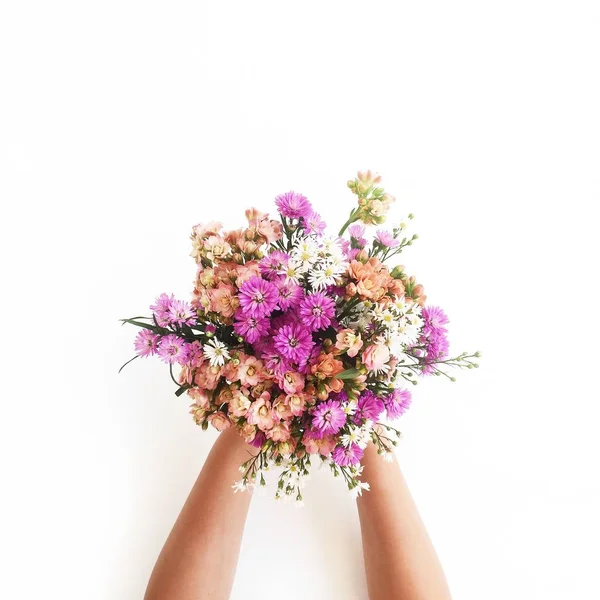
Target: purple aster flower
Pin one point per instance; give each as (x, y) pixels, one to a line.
(146, 343)
(294, 342)
(258, 297)
(290, 293)
(369, 407)
(293, 205)
(250, 328)
(172, 349)
(313, 223)
(162, 309)
(435, 318)
(328, 417)
(385, 238)
(397, 403)
(347, 456)
(271, 265)
(316, 311)
(181, 313)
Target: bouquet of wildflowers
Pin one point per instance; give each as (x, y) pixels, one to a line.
(302, 341)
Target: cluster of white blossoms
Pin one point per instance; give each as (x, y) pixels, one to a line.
(321, 261)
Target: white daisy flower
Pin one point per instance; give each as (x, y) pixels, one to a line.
(349, 407)
(216, 352)
(352, 437)
(400, 304)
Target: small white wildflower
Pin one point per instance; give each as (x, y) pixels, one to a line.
(239, 486)
(388, 457)
(216, 352)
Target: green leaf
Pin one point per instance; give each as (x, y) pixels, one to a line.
(348, 374)
(138, 324)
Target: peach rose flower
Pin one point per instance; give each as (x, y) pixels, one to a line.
(376, 356)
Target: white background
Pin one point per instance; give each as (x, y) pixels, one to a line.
(124, 123)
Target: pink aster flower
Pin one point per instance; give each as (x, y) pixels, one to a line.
(195, 354)
(181, 313)
(347, 456)
(273, 263)
(313, 223)
(385, 238)
(317, 311)
(328, 417)
(397, 403)
(294, 342)
(258, 297)
(290, 294)
(357, 233)
(369, 407)
(162, 309)
(250, 328)
(293, 205)
(435, 318)
(172, 349)
(146, 343)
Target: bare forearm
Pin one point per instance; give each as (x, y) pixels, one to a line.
(199, 558)
(400, 561)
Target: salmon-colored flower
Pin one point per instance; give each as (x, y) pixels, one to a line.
(248, 432)
(219, 421)
(198, 413)
(247, 271)
(280, 432)
(250, 371)
(216, 248)
(224, 300)
(323, 446)
(260, 413)
(297, 403)
(349, 341)
(207, 377)
(199, 396)
(282, 408)
(269, 229)
(292, 382)
(326, 366)
(239, 404)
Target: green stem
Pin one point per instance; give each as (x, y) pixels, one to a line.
(349, 222)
